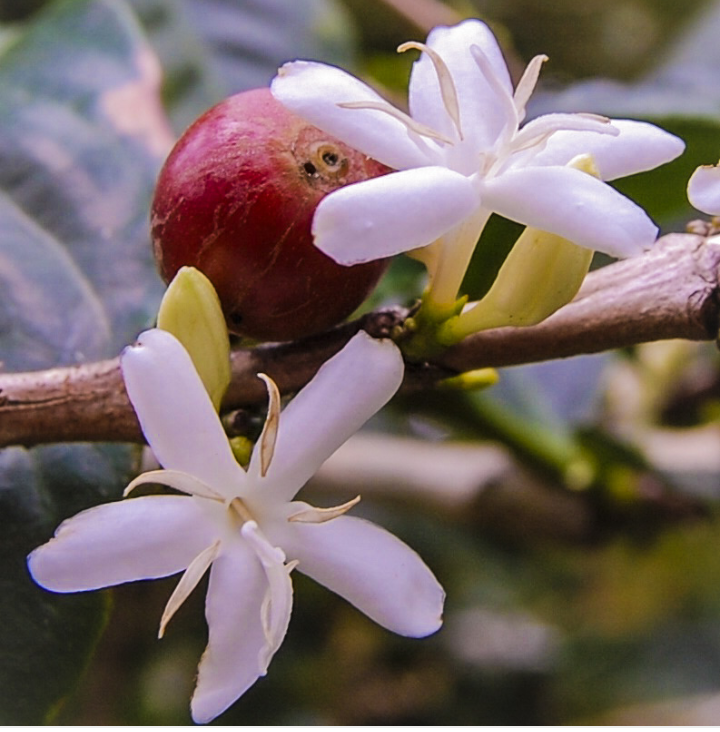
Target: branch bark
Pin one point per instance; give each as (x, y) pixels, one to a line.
(670, 292)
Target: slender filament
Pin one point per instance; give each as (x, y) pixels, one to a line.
(447, 85)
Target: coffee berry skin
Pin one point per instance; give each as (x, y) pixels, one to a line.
(235, 199)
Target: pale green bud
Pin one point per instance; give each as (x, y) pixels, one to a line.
(191, 311)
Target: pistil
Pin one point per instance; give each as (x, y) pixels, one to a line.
(238, 510)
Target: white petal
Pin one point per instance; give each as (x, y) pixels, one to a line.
(343, 395)
(704, 189)
(133, 539)
(574, 205)
(230, 664)
(176, 414)
(371, 568)
(482, 115)
(314, 91)
(313, 515)
(391, 214)
(640, 146)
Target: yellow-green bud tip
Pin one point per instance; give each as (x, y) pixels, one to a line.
(471, 380)
(190, 310)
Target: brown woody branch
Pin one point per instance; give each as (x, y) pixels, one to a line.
(671, 292)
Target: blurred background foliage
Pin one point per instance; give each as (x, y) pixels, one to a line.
(570, 512)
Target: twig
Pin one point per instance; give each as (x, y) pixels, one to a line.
(671, 292)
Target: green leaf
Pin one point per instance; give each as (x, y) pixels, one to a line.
(49, 313)
(82, 141)
(82, 136)
(46, 639)
(496, 241)
(210, 49)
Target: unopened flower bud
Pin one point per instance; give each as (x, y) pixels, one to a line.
(190, 310)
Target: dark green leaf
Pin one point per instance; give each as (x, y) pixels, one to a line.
(663, 192)
(82, 140)
(213, 48)
(45, 639)
(496, 241)
(49, 313)
(82, 137)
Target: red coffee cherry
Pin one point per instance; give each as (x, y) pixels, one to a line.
(236, 199)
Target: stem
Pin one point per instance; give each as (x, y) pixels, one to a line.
(670, 292)
(553, 449)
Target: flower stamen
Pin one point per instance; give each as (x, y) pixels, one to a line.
(176, 479)
(412, 125)
(188, 582)
(313, 515)
(536, 133)
(240, 510)
(277, 602)
(447, 85)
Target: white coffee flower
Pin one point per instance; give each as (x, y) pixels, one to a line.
(244, 526)
(462, 154)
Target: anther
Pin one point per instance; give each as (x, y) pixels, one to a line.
(412, 125)
(268, 438)
(240, 510)
(528, 82)
(447, 85)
